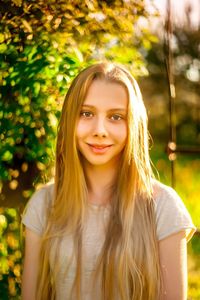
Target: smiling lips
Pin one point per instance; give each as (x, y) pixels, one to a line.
(99, 149)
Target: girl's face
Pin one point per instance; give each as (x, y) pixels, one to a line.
(102, 126)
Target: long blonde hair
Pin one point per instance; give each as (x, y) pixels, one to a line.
(129, 260)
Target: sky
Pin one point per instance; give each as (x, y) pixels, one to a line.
(177, 8)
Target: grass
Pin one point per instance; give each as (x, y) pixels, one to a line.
(194, 268)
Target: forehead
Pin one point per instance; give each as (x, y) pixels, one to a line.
(106, 92)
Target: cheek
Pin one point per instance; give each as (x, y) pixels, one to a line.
(121, 133)
(81, 129)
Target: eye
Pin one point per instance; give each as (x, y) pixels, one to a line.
(86, 114)
(116, 117)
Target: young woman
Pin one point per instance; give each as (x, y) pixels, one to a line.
(105, 229)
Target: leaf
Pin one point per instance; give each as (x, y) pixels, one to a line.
(7, 156)
(36, 87)
(3, 48)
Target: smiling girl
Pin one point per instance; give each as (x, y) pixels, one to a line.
(105, 230)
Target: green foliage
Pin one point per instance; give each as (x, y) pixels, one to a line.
(93, 27)
(33, 83)
(42, 46)
(10, 255)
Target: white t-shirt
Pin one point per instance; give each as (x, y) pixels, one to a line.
(171, 217)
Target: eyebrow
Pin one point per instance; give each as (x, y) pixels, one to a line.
(110, 110)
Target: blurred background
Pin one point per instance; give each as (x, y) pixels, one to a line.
(43, 45)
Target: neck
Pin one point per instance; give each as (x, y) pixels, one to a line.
(100, 181)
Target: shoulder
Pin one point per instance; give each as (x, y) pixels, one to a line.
(164, 195)
(43, 197)
(172, 215)
(36, 211)
(43, 194)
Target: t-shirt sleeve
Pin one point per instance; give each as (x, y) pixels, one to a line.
(35, 213)
(171, 214)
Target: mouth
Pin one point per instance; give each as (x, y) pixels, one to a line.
(99, 149)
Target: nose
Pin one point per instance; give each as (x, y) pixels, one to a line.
(100, 127)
